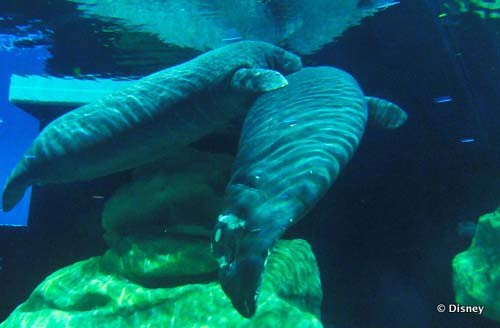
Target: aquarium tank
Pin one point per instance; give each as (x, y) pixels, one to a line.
(250, 163)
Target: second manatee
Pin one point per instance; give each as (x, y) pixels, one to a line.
(294, 143)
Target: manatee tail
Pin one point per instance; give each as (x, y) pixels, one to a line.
(14, 190)
(385, 114)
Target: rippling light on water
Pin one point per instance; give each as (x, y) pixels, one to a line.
(19, 32)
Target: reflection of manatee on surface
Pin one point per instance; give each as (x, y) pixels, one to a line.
(293, 145)
(303, 26)
(160, 113)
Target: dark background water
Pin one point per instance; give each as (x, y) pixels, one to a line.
(386, 233)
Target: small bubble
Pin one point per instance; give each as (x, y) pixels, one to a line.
(97, 197)
(467, 140)
(291, 121)
(387, 4)
(443, 99)
(236, 38)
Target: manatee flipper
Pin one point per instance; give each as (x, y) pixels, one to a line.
(258, 80)
(384, 113)
(17, 183)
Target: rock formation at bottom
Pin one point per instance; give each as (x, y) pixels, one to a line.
(105, 291)
(159, 270)
(476, 272)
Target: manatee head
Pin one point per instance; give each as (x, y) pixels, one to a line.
(245, 233)
(241, 253)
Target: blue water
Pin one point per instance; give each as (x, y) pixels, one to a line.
(17, 128)
(387, 231)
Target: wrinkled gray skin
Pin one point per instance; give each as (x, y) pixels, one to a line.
(294, 143)
(158, 114)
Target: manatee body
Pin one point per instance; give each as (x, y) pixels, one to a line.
(294, 143)
(161, 112)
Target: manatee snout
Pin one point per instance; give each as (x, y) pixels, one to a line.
(242, 256)
(241, 280)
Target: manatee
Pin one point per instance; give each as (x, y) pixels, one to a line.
(293, 145)
(161, 112)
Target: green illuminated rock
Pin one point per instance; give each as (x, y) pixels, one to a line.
(159, 270)
(167, 257)
(483, 8)
(476, 272)
(90, 294)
